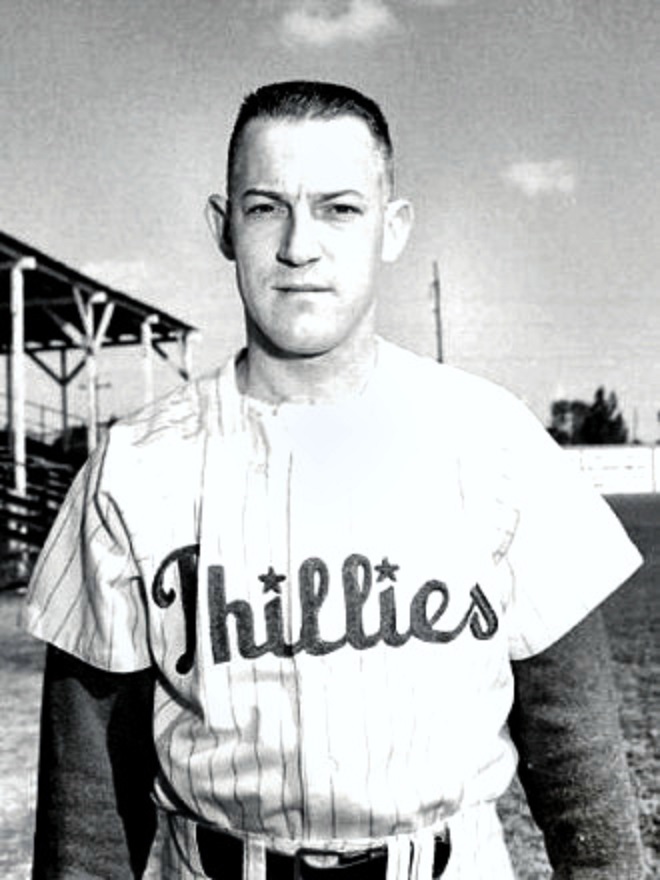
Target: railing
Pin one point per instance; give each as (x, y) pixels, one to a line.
(42, 422)
(25, 520)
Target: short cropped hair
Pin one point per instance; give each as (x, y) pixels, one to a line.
(310, 99)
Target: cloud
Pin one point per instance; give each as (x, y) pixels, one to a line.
(130, 276)
(556, 177)
(326, 22)
(442, 4)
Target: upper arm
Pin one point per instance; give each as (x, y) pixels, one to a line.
(565, 725)
(96, 769)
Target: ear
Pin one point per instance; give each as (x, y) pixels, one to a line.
(217, 216)
(398, 223)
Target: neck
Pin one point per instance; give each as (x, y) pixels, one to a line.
(321, 378)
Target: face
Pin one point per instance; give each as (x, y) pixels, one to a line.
(308, 223)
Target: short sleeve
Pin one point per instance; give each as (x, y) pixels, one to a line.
(566, 550)
(85, 593)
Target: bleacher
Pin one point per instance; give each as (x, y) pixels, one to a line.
(58, 321)
(26, 519)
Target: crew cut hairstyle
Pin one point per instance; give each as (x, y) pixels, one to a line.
(310, 99)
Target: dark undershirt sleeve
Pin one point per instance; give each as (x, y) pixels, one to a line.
(565, 725)
(95, 816)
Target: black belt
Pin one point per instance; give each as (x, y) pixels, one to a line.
(221, 856)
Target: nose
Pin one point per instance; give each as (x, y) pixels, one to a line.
(299, 244)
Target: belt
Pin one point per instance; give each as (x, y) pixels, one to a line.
(221, 856)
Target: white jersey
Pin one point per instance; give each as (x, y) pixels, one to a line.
(331, 594)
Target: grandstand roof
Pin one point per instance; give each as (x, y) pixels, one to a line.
(55, 295)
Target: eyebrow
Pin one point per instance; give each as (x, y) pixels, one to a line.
(264, 193)
(326, 197)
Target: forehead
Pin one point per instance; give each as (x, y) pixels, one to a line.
(322, 155)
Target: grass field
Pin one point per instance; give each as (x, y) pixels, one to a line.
(633, 618)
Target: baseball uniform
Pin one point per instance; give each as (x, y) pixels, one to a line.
(332, 595)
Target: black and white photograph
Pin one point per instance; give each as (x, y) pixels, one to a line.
(330, 440)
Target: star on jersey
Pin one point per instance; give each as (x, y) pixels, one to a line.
(386, 570)
(271, 580)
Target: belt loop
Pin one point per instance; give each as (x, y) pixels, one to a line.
(423, 853)
(254, 858)
(399, 851)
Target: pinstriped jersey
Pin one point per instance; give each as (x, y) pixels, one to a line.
(331, 594)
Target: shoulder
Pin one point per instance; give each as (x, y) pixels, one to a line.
(180, 414)
(497, 443)
(462, 398)
(160, 442)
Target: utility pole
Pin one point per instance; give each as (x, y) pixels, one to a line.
(437, 312)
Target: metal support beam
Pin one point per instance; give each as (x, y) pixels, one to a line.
(10, 396)
(185, 349)
(64, 395)
(92, 373)
(91, 340)
(146, 338)
(17, 368)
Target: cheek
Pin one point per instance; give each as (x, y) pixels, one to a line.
(363, 245)
(252, 266)
(249, 287)
(253, 252)
(361, 258)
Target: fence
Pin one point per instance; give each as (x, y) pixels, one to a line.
(620, 470)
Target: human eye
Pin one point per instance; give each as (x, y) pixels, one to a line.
(263, 209)
(343, 210)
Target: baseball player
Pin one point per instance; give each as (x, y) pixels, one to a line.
(306, 605)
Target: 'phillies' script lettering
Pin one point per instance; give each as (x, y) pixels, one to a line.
(314, 584)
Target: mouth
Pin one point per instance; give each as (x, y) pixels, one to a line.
(302, 288)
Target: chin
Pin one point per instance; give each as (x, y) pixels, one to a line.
(307, 348)
(308, 342)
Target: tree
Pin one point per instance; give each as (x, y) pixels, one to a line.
(576, 423)
(568, 417)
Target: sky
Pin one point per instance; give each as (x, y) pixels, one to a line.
(527, 135)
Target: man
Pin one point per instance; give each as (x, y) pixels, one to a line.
(320, 583)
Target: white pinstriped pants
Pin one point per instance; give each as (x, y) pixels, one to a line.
(478, 849)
